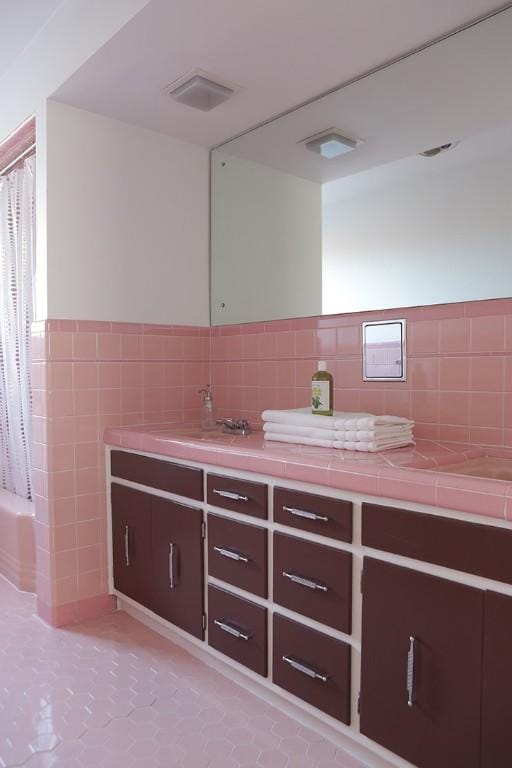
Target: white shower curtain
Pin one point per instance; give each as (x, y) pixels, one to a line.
(17, 242)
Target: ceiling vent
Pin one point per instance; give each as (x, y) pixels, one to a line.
(200, 91)
(330, 143)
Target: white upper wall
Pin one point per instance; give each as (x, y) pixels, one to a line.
(75, 31)
(127, 222)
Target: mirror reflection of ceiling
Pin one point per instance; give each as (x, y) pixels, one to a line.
(453, 90)
(380, 227)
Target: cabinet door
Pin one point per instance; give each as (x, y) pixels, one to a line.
(131, 542)
(421, 666)
(177, 551)
(497, 682)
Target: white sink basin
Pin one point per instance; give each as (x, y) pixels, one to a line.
(487, 466)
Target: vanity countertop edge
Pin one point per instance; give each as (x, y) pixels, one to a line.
(405, 474)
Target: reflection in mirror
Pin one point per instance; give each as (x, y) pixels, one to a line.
(384, 351)
(391, 223)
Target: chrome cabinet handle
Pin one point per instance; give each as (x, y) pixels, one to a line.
(173, 556)
(127, 546)
(305, 582)
(410, 671)
(231, 554)
(225, 627)
(306, 514)
(230, 495)
(300, 667)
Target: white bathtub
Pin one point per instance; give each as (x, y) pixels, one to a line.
(17, 541)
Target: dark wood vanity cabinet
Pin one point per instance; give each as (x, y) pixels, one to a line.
(237, 495)
(458, 544)
(131, 543)
(177, 563)
(421, 661)
(436, 666)
(237, 554)
(158, 556)
(323, 515)
(238, 628)
(497, 682)
(312, 666)
(157, 473)
(314, 580)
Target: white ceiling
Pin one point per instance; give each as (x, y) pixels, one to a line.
(281, 52)
(20, 21)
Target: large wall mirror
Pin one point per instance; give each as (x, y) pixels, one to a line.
(409, 203)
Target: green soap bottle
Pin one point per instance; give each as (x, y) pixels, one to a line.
(322, 391)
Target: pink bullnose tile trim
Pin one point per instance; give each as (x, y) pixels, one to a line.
(471, 501)
(488, 307)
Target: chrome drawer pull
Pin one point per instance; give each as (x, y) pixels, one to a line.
(231, 554)
(306, 514)
(305, 582)
(231, 630)
(173, 552)
(304, 669)
(410, 671)
(230, 495)
(127, 546)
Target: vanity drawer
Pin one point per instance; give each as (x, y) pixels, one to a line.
(313, 580)
(237, 553)
(312, 666)
(164, 475)
(238, 628)
(238, 495)
(470, 547)
(317, 514)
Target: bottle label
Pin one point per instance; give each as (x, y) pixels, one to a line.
(320, 396)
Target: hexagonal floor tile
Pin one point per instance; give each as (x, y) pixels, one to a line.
(113, 694)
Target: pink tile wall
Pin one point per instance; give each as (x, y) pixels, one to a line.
(459, 384)
(89, 375)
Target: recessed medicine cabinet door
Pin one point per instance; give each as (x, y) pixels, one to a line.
(421, 666)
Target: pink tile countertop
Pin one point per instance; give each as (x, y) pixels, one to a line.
(397, 474)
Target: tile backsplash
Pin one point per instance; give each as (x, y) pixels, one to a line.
(459, 361)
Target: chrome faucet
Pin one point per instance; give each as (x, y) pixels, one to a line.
(235, 426)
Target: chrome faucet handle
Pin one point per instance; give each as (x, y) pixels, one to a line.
(235, 426)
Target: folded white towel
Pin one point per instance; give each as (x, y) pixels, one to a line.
(384, 433)
(372, 446)
(291, 429)
(368, 421)
(302, 417)
(298, 440)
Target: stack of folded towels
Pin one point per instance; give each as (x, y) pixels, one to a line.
(348, 431)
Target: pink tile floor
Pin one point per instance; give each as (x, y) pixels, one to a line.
(111, 693)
